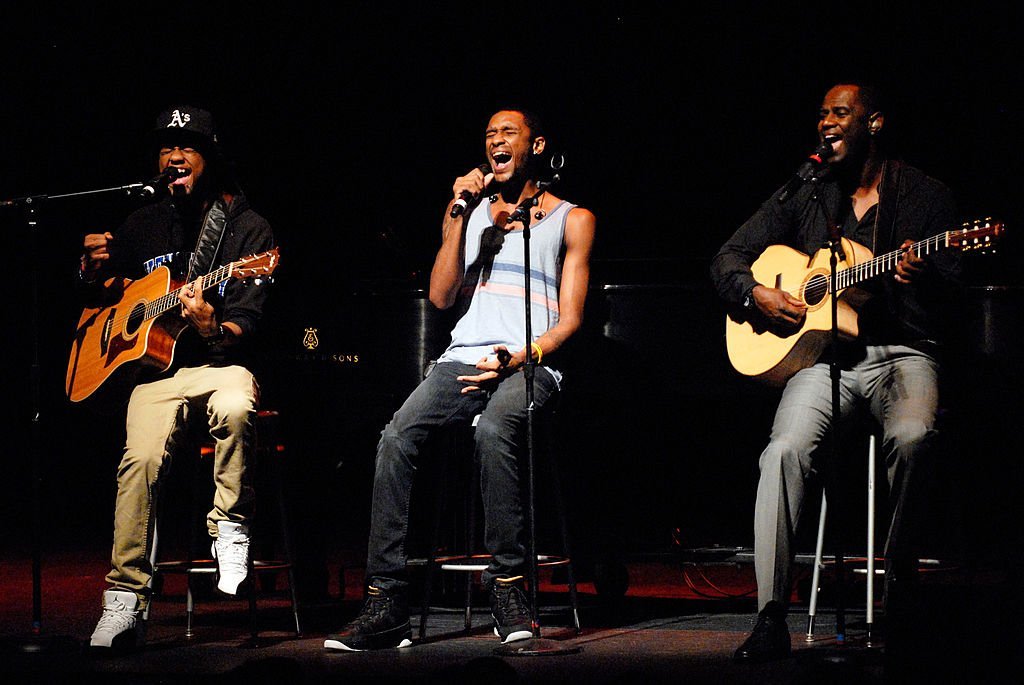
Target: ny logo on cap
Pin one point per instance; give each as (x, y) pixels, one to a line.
(178, 119)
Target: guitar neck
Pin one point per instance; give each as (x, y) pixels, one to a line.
(887, 262)
(204, 283)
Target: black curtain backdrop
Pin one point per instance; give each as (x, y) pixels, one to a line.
(348, 125)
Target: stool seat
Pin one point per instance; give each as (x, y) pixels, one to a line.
(210, 565)
(479, 562)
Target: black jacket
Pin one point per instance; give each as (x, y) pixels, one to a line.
(158, 235)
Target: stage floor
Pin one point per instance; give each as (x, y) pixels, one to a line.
(680, 620)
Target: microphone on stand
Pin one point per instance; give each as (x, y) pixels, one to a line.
(159, 183)
(814, 163)
(465, 197)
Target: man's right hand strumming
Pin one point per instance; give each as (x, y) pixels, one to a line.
(778, 307)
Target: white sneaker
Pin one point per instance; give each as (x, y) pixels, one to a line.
(231, 552)
(120, 626)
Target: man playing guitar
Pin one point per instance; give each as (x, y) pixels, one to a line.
(890, 368)
(202, 222)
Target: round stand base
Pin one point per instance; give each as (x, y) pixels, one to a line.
(41, 644)
(537, 646)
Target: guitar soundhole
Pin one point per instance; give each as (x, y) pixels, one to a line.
(815, 289)
(135, 319)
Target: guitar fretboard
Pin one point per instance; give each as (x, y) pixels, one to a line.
(978, 236)
(170, 300)
(887, 262)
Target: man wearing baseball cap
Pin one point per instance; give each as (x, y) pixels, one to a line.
(200, 220)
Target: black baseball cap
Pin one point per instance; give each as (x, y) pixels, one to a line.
(185, 124)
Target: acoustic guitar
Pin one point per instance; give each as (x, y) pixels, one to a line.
(771, 355)
(129, 332)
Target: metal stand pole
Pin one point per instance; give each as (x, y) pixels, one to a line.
(536, 645)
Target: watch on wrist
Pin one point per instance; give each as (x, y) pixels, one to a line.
(216, 337)
(748, 301)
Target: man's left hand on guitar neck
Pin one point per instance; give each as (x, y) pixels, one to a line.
(910, 264)
(198, 311)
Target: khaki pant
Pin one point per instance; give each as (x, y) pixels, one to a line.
(159, 414)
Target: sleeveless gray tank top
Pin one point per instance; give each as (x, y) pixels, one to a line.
(495, 283)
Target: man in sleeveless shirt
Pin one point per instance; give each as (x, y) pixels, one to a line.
(892, 369)
(479, 269)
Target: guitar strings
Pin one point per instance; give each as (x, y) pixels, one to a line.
(166, 302)
(819, 285)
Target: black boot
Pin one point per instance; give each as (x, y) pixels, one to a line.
(769, 640)
(510, 610)
(901, 592)
(383, 623)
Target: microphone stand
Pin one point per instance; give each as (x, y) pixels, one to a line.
(536, 645)
(30, 208)
(831, 484)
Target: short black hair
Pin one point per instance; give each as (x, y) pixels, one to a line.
(870, 94)
(530, 116)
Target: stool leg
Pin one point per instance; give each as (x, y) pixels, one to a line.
(189, 605)
(470, 546)
(253, 629)
(564, 530)
(428, 571)
(154, 546)
(287, 543)
(190, 551)
(816, 578)
(871, 538)
(295, 601)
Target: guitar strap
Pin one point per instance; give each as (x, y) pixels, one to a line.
(209, 241)
(889, 203)
(896, 184)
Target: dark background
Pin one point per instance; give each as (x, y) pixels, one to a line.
(348, 126)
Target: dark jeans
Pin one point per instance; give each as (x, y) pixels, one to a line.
(500, 438)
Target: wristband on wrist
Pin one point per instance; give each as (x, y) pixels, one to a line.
(84, 273)
(537, 350)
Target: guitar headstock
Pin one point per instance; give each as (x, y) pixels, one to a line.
(262, 264)
(980, 234)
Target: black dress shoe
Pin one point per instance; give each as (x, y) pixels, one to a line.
(769, 641)
(901, 591)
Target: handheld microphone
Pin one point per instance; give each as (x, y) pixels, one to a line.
(159, 183)
(814, 163)
(465, 197)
